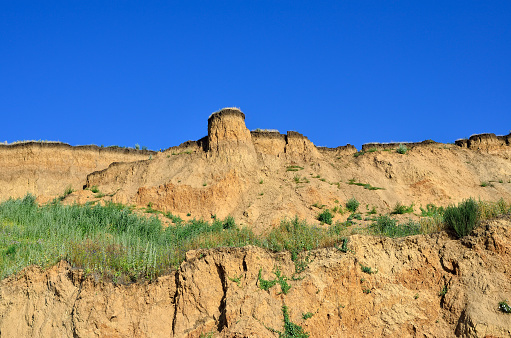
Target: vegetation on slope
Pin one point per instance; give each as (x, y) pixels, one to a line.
(113, 243)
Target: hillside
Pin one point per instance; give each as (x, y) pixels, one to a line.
(261, 177)
(236, 248)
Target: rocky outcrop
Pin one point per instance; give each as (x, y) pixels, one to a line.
(228, 137)
(220, 291)
(486, 142)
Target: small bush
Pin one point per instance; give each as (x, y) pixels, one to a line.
(504, 307)
(463, 218)
(352, 204)
(229, 223)
(401, 149)
(402, 209)
(325, 217)
(94, 189)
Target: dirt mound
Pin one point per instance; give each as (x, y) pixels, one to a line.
(428, 286)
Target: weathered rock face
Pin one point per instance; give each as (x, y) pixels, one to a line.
(270, 143)
(228, 137)
(219, 291)
(485, 142)
(47, 169)
(299, 146)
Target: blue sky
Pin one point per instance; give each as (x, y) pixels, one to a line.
(151, 72)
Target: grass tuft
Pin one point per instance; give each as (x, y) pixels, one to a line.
(462, 218)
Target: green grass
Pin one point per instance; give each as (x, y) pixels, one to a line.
(107, 241)
(365, 185)
(114, 244)
(94, 189)
(400, 209)
(462, 218)
(293, 168)
(431, 210)
(386, 226)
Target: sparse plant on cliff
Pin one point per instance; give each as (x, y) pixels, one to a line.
(291, 330)
(402, 209)
(344, 245)
(352, 204)
(504, 306)
(402, 149)
(307, 315)
(488, 210)
(236, 279)
(325, 217)
(268, 284)
(431, 210)
(443, 292)
(463, 218)
(367, 269)
(293, 168)
(94, 189)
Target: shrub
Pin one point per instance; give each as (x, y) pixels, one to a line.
(504, 307)
(463, 218)
(325, 217)
(229, 223)
(352, 204)
(402, 149)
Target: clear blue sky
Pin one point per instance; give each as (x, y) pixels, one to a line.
(151, 72)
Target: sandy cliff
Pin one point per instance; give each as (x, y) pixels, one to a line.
(261, 177)
(219, 291)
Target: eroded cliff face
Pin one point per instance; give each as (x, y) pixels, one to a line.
(219, 291)
(47, 169)
(260, 177)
